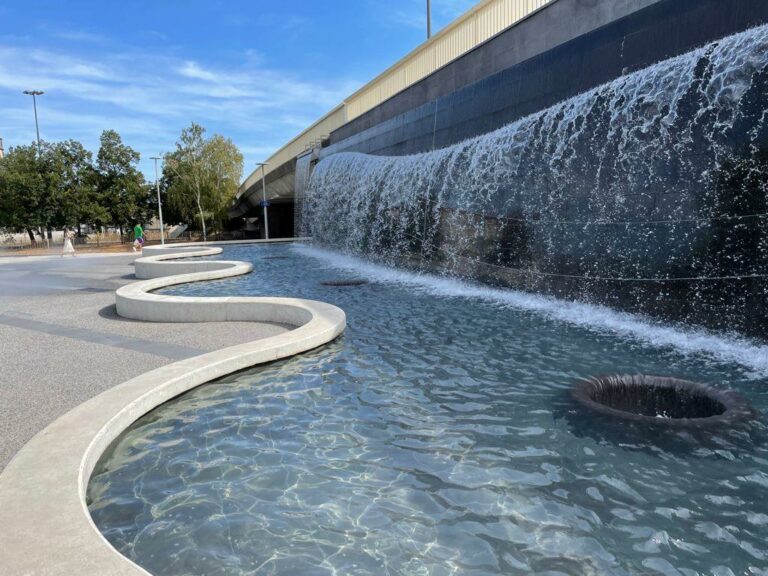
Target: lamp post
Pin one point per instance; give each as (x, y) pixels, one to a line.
(264, 197)
(35, 94)
(159, 201)
(429, 20)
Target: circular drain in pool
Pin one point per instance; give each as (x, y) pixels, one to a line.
(662, 401)
(352, 282)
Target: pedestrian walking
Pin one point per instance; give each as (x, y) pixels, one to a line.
(138, 237)
(69, 243)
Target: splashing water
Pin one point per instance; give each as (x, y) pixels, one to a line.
(751, 355)
(661, 174)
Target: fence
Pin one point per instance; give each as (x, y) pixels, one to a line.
(111, 238)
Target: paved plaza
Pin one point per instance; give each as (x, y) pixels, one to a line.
(62, 343)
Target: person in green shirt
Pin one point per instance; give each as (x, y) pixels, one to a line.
(138, 237)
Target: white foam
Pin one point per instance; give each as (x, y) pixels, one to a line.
(686, 341)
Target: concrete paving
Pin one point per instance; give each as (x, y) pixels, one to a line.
(61, 341)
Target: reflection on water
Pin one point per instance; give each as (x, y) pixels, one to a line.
(434, 438)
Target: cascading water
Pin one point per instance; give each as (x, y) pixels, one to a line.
(648, 193)
(301, 183)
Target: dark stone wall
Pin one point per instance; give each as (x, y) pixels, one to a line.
(498, 88)
(714, 227)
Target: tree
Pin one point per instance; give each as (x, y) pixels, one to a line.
(226, 165)
(23, 191)
(203, 175)
(120, 186)
(59, 185)
(75, 199)
(187, 163)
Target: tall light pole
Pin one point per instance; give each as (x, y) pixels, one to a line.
(159, 201)
(35, 94)
(264, 202)
(429, 20)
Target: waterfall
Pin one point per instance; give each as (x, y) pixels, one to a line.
(301, 183)
(660, 174)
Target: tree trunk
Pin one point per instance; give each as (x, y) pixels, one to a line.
(121, 234)
(202, 218)
(31, 237)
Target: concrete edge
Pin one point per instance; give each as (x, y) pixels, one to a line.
(163, 262)
(45, 526)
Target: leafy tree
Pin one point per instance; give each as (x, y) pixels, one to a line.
(226, 165)
(75, 199)
(120, 186)
(24, 191)
(59, 185)
(203, 176)
(171, 212)
(187, 164)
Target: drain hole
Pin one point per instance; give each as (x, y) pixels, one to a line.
(660, 400)
(275, 257)
(352, 282)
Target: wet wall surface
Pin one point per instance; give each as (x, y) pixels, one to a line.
(658, 206)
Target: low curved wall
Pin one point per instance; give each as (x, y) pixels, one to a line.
(45, 527)
(164, 262)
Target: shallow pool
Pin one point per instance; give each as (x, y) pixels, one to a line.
(434, 438)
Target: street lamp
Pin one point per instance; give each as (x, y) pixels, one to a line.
(429, 21)
(159, 201)
(264, 202)
(35, 94)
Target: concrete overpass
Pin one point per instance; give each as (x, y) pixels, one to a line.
(484, 21)
(501, 60)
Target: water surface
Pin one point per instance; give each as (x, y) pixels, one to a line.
(435, 438)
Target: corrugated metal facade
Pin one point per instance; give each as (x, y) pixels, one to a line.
(476, 26)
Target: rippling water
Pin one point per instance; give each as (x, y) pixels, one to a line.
(434, 438)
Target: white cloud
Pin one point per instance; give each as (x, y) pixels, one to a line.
(413, 13)
(148, 99)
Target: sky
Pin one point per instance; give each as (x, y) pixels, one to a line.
(257, 71)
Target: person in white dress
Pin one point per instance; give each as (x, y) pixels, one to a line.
(69, 246)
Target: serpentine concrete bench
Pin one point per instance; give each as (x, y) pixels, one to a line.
(45, 527)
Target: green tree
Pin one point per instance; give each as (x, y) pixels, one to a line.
(203, 176)
(226, 165)
(187, 165)
(75, 199)
(59, 185)
(120, 186)
(25, 191)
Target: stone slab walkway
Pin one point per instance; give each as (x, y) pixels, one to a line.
(62, 343)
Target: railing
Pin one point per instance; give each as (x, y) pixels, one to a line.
(22, 241)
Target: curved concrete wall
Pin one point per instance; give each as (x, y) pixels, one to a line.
(45, 527)
(166, 261)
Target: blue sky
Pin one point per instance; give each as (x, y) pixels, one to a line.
(257, 72)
